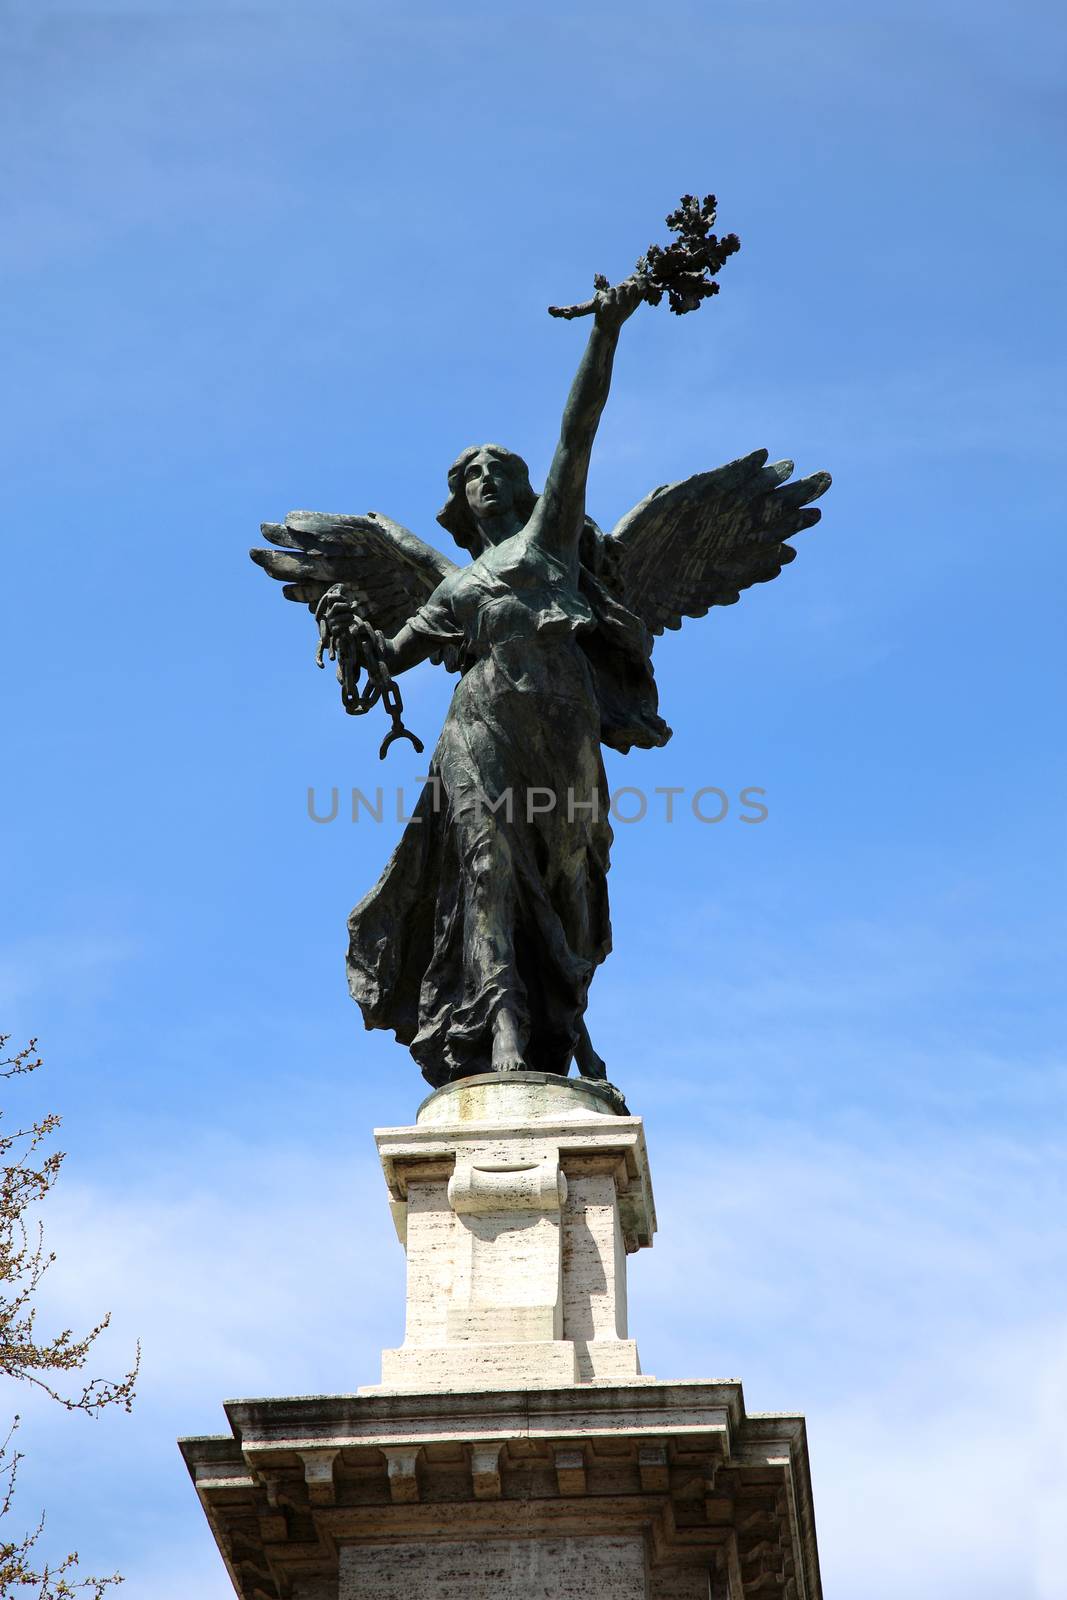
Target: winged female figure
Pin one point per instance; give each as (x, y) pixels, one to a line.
(478, 943)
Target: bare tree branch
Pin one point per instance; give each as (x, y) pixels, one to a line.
(28, 1173)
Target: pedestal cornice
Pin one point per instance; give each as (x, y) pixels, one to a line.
(680, 1464)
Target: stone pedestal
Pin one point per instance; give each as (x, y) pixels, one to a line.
(513, 1449)
(517, 1200)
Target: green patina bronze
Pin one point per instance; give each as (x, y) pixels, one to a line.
(478, 944)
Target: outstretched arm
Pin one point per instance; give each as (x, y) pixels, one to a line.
(406, 649)
(560, 515)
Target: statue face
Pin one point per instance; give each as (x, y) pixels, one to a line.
(489, 488)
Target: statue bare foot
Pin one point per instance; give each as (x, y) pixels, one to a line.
(507, 1047)
(589, 1064)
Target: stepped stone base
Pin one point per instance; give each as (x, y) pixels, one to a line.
(513, 1450)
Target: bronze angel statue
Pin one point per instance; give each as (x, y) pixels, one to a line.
(477, 945)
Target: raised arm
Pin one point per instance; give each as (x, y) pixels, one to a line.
(560, 515)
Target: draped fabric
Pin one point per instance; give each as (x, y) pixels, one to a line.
(496, 894)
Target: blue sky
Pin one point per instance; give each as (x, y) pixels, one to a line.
(266, 257)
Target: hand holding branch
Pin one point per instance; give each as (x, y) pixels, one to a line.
(612, 305)
(683, 270)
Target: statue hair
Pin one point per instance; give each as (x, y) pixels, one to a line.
(457, 516)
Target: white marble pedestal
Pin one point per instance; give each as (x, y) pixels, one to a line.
(517, 1200)
(513, 1450)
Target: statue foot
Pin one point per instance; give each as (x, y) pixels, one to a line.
(507, 1048)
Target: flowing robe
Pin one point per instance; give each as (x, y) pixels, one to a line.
(496, 894)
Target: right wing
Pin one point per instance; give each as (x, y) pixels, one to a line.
(696, 544)
(391, 571)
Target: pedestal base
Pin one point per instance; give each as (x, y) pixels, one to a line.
(517, 1199)
(651, 1491)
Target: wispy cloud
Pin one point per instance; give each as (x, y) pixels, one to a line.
(910, 1299)
(272, 1271)
(79, 964)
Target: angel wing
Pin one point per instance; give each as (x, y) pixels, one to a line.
(392, 571)
(696, 544)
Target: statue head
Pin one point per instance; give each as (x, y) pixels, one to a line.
(487, 485)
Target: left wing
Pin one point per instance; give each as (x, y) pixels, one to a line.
(392, 571)
(696, 544)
